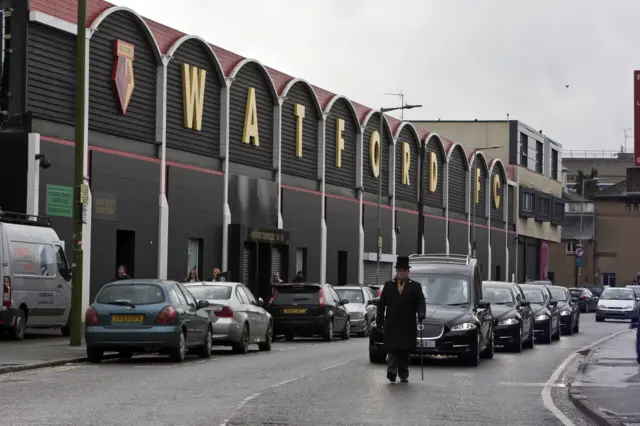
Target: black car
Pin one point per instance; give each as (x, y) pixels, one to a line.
(587, 301)
(458, 321)
(596, 289)
(513, 315)
(546, 315)
(568, 307)
(304, 309)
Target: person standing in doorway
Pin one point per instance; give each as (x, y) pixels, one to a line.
(401, 299)
(275, 279)
(299, 278)
(192, 277)
(122, 273)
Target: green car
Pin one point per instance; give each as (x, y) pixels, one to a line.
(148, 316)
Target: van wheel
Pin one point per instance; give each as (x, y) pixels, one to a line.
(94, 355)
(17, 331)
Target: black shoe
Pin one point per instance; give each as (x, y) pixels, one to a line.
(391, 377)
(404, 380)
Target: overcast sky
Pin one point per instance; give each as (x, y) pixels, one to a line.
(462, 59)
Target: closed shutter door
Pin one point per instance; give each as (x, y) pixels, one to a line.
(275, 260)
(370, 269)
(246, 261)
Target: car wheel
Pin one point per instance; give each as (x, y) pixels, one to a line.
(556, 336)
(548, 336)
(473, 358)
(599, 319)
(268, 338)
(17, 331)
(206, 348)
(66, 330)
(242, 347)
(530, 343)
(94, 355)
(586, 309)
(328, 332)
(489, 350)
(289, 337)
(346, 332)
(365, 328)
(377, 356)
(517, 342)
(178, 353)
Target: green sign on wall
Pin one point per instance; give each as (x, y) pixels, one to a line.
(59, 201)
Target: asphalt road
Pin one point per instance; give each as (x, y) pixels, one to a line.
(303, 382)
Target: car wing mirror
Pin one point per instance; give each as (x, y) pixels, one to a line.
(483, 304)
(202, 304)
(344, 301)
(637, 299)
(525, 303)
(375, 301)
(574, 299)
(553, 303)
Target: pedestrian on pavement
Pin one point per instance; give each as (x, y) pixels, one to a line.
(122, 273)
(401, 299)
(192, 277)
(275, 279)
(216, 274)
(299, 278)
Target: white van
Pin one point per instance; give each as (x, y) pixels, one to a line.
(36, 278)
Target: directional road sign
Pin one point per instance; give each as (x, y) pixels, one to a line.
(579, 250)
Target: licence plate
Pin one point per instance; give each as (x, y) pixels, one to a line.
(294, 310)
(425, 343)
(127, 318)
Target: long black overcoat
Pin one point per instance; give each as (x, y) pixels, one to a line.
(400, 330)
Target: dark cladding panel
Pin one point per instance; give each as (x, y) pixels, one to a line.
(457, 180)
(251, 77)
(60, 174)
(369, 181)
(458, 237)
(435, 198)
(134, 184)
(13, 172)
(482, 249)
(306, 165)
(51, 74)
(407, 240)
(371, 228)
(253, 202)
(105, 115)
(512, 201)
(342, 235)
(302, 215)
(435, 237)
(498, 255)
(512, 244)
(480, 186)
(345, 175)
(195, 212)
(407, 142)
(187, 138)
(498, 192)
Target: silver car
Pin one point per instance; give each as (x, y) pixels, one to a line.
(238, 319)
(361, 309)
(618, 303)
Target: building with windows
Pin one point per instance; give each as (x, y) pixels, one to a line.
(198, 157)
(536, 161)
(612, 166)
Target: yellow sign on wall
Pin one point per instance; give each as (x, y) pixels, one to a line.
(193, 84)
(339, 141)
(406, 163)
(250, 131)
(476, 196)
(496, 191)
(298, 112)
(433, 172)
(374, 153)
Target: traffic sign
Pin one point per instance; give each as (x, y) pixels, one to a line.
(578, 261)
(579, 251)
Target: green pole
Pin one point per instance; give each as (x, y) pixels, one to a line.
(76, 288)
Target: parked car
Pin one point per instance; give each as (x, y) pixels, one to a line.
(596, 289)
(618, 303)
(635, 288)
(139, 315)
(237, 318)
(513, 315)
(377, 289)
(459, 322)
(362, 310)
(587, 301)
(307, 309)
(568, 307)
(545, 312)
(36, 277)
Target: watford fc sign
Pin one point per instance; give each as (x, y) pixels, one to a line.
(123, 73)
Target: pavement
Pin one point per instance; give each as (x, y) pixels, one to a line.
(304, 382)
(607, 387)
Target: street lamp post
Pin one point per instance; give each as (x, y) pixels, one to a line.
(473, 192)
(581, 221)
(382, 111)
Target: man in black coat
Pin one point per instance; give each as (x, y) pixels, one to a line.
(401, 300)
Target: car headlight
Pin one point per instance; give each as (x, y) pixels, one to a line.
(358, 315)
(602, 307)
(542, 317)
(565, 313)
(509, 321)
(628, 308)
(465, 326)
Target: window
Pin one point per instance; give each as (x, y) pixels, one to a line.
(524, 148)
(301, 259)
(248, 295)
(241, 296)
(211, 292)
(571, 247)
(190, 299)
(576, 207)
(539, 156)
(194, 257)
(63, 265)
(528, 202)
(134, 294)
(32, 259)
(609, 278)
(544, 207)
(554, 164)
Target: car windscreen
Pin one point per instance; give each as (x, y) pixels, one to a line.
(533, 295)
(131, 294)
(288, 295)
(444, 289)
(576, 292)
(617, 294)
(596, 289)
(497, 295)
(558, 294)
(211, 292)
(353, 296)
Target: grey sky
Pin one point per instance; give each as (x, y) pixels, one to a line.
(460, 59)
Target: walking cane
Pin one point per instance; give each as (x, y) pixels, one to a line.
(421, 355)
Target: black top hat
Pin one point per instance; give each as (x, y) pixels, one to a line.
(402, 262)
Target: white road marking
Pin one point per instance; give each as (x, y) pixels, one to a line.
(547, 400)
(284, 382)
(240, 406)
(334, 366)
(533, 384)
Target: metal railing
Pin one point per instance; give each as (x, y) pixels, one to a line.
(586, 153)
(456, 259)
(24, 219)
